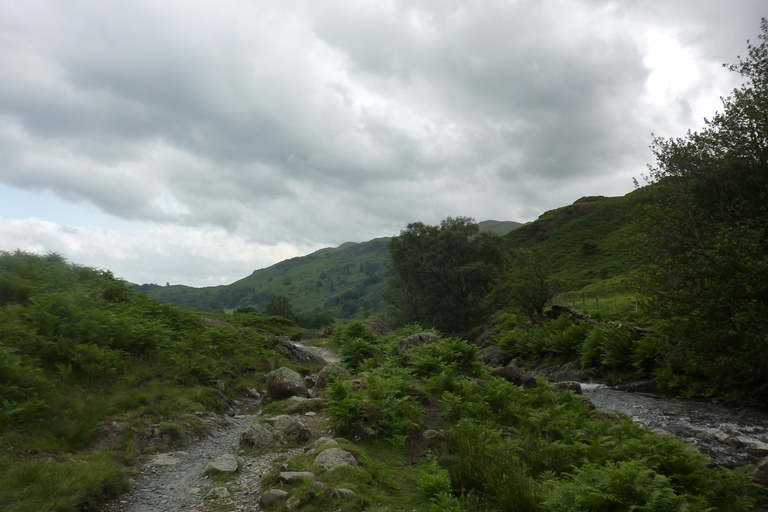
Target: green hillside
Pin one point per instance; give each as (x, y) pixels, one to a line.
(585, 242)
(345, 282)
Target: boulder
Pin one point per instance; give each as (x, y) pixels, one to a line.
(296, 353)
(407, 343)
(284, 383)
(272, 497)
(334, 458)
(328, 370)
(218, 492)
(568, 385)
(292, 477)
(760, 471)
(322, 441)
(290, 428)
(493, 356)
(226, 463)
(514, 375)
(258, 435)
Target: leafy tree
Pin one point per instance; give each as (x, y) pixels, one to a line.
(442, 274)
(704, 227)
(279, 305)
(525, 284)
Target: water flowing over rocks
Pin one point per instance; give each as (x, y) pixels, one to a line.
(731, 437)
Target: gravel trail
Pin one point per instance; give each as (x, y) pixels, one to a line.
(175, 481)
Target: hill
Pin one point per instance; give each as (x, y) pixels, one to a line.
(584, 243)
(345, 282)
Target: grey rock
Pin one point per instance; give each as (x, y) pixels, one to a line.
(321, 441)
(226, 463)
(334, 458)
(330, 369)
(514, 375)
(568, 385)
(342, 491)
(292, 477)
(284, 383)
(293, 503)
(407, 343)
(296, 353)
(258, 435)
(272, 497)
(219, 492)
(290, 428)
(493, 356)
(164, 459)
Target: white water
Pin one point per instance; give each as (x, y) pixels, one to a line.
(731, 437)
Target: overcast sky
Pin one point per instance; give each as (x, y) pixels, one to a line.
(192, 142)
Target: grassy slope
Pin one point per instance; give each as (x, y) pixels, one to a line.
(586, 242)
(346, 281)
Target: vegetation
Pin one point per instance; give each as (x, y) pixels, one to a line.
(704, 234)
(78, 348)
(442, 274)
(502, 447)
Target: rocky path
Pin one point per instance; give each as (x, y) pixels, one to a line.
(176, 481)
(180, 481)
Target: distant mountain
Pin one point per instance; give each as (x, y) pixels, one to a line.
(345, 281)
(587, 242)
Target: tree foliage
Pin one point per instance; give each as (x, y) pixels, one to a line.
(526, 284)
(705, 230)
(279, 305)
(443, 274)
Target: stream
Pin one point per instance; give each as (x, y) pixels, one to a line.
(731, 437)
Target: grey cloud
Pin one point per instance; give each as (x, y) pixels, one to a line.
(290, 120)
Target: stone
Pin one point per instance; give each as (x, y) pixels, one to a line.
(292, 477)
(290, 428)
(407, 343)
(226, 463)
(296, 353)
(272, 497)
(334, 458)
(164, 459)
(219, 492)
(293, 503)
(330, 369)
(342, 491)
(514, 375)
(301, 404)
(284, 383)
(760, 471)
(254, 393)
(493, 356)
(258, 435)
(321, 441)
(609, 415)
(568, 385)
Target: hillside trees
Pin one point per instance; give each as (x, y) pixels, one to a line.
(442, 274)
(705, 231)
(525, 284)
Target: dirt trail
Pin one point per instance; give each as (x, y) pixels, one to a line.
(176, 481)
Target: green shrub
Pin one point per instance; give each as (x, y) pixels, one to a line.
(482, 463)
(434, 481)
(648, 352)
(608, 346)
(628, 485)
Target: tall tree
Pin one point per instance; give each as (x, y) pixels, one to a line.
(443, 274)
(705, 229)
(525, 284)
(279, 305)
